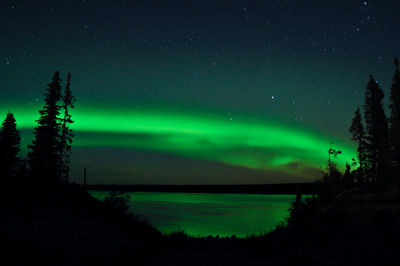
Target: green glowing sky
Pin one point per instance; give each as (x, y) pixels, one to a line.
(246, 142)
(195, 92)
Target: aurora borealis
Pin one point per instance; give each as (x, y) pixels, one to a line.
(196, 92)
(253, 144)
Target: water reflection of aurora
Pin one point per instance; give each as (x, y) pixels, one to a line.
(241, 141)
(203, 214)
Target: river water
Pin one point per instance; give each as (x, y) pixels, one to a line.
(203, 214)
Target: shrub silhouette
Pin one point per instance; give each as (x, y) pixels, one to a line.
(118, 202)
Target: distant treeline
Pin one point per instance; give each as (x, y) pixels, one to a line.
(282, 189)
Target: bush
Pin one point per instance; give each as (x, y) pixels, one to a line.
(300, 211)
(118, 202)
(304, 210)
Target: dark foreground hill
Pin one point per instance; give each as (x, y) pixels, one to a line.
(356, 229)
(67, 226)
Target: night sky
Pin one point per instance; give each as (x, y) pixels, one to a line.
(199, 92)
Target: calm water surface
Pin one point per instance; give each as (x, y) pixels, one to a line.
(203, 214)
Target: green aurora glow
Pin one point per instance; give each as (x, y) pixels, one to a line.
(157, 83)
(243, 141)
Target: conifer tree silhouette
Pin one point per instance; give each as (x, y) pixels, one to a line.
(68, 101)
(394, 120)
(333, 177)
(358, 134)
(376, 132)
(9, 148)
(44, 151)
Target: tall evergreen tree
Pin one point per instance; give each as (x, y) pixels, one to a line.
(394, 119)
(331, 180)
(68, 101)
(44, 151)
(358, 134)
(376, 132)
(9, 148)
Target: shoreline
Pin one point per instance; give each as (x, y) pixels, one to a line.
(275, 189)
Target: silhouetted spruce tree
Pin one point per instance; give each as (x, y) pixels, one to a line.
(348, 177)
(376, 132)
(331, 185)
(394, 119)
(9, 149)
(44, 156)
(358, 134)
(66, 132)
(332, 166)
